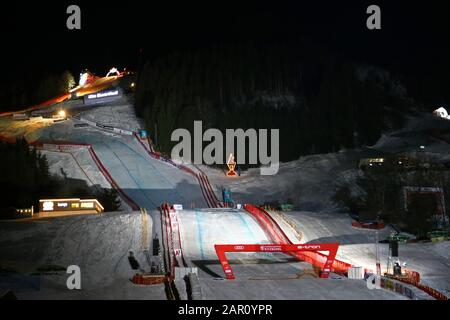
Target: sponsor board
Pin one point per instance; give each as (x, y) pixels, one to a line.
(72, 204)
(104, 94)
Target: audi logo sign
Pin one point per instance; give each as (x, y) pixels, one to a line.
(47, 206)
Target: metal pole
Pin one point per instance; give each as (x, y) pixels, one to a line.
(377, 253)
(156, 134)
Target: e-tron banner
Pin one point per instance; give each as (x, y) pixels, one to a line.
(221, 249)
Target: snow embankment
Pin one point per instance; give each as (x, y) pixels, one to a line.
(309, 183)
(98, 244)
(358, 247)
(117, 116)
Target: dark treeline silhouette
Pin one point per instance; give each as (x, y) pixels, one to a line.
(383, 195)
(28, 90)
(25, 178)
(320, 101)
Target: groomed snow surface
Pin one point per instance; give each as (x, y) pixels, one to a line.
(119, 116)
(98, 244)
(258, 275)
(76, 164)
(357, 246)
(147, 181)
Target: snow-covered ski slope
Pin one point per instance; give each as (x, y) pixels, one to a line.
(76, 164)
(118, 116)
(203, 228)
(147, 181)
(292, 289)
(258, 275)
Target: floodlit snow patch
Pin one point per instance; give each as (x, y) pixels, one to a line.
(442, 113)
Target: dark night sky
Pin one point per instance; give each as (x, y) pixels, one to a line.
(415, 35)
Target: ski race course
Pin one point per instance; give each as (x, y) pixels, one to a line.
(100, 244)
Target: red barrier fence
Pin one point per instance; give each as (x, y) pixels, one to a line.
(429, 290)
(39, 106)
(276, 234)
(148, 279)
(368, 225)
(61, 145)
(215, 202)
(169, 255)
(269, 226)
(432, 292)
(221, 249)
(7, 139)
(110, 179)
(207, 190)
(175, 228)
(172, 239)
(413, 275)
(57, 144)
(208, 194)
